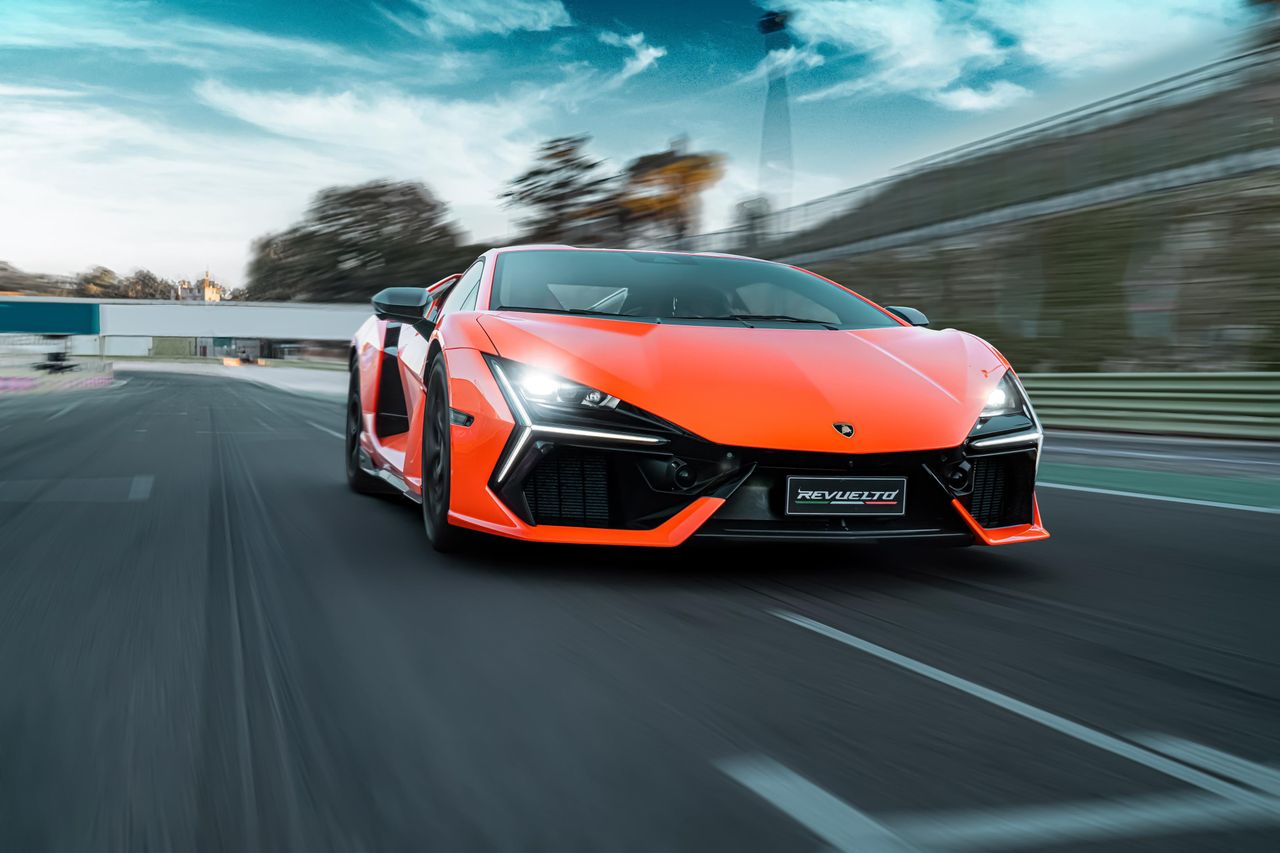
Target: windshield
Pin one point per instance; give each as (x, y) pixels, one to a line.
(675, 288)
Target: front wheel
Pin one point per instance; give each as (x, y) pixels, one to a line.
(437, 462)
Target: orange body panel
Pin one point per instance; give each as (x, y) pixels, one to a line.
(904, 388)
(673, 532)
(413, 442)
(1005, 535)
(476, 448)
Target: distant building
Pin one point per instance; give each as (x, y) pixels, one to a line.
(204, 290)
(212, 290)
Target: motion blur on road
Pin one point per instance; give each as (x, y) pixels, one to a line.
(209, 642)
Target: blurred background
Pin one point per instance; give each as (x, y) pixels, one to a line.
(1131, 232)
(207, 642)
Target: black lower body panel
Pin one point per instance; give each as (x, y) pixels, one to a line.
(594, 484)
(756, 510)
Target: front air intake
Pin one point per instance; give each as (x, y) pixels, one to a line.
(1002, 489)
(570, 486)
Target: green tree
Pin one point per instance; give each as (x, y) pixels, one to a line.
(144, 284)
(562, 192)
(568, 199)
(99, 283)
(356, 240)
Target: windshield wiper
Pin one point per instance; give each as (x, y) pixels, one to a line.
(778, 318)
(586, 312)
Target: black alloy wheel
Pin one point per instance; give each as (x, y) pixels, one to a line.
(436, 459)
(360, 480)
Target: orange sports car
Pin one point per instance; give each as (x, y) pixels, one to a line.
(626, 397)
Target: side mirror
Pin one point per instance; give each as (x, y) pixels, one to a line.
(911, 315)
(402, 304)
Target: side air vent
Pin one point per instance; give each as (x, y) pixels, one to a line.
(1002, 487)
(570, 487)
(392, 417)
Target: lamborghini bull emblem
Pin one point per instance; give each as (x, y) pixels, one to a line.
(844, 429)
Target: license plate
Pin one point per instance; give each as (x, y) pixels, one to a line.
(846, 495)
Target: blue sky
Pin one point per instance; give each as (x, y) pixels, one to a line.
(169, 134)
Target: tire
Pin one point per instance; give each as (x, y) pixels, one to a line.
(359, 480)
(437, 463)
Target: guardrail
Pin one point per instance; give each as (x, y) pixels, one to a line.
(1220, 405)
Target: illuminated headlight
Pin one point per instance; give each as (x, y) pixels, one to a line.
(550, 407)
(546, 389)
(1006, 417)
(1004, 399)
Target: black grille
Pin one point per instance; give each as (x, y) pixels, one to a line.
(757, 508)
(571, 487)
(1002, 489)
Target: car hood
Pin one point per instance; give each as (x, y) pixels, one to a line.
(901, 388)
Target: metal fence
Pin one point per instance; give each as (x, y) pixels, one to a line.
(1222, 405)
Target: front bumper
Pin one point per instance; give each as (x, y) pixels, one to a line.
(562, 488)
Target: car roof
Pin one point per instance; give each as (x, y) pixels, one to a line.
(525, 247)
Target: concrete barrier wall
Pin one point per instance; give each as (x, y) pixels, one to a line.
(286, 321)
(233, 320)
(131, 345)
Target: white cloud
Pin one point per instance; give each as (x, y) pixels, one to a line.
(8, 90)
(912, 46)
(969, 98)
(1069, 37)
(87, 184)
(445, 18)
(118, 27)
(463, 149)
(931, 48)
(788, 60)
(643, 55)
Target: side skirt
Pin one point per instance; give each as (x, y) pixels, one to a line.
(366, 465)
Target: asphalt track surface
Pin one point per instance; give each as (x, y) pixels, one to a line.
(208, 643)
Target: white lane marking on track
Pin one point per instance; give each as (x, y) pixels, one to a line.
(1229, 804)
(66, 409)
(848, 829)
(1142, 454)
(264, 405)
(1048, 719)
(823, 814)
(1090, 820)
(1254, 775)
(140, 487)
(331, 432)
(1165, 498)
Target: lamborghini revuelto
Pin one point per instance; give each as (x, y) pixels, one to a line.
(642, 398)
